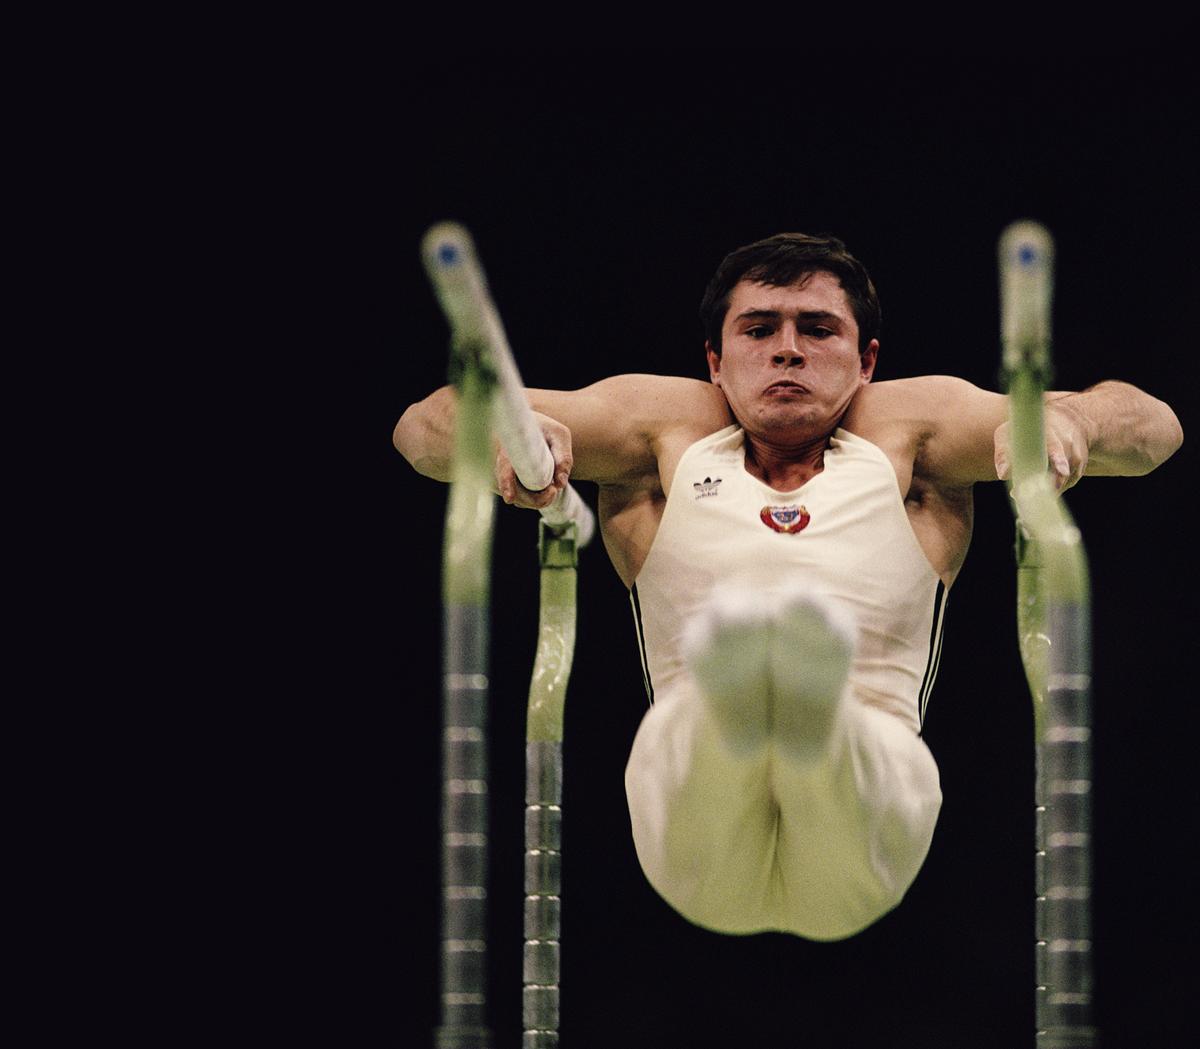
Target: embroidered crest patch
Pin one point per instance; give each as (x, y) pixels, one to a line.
(785, 518)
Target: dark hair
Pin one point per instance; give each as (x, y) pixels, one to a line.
(782, 260)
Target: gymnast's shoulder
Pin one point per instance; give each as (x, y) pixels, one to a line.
(621, 425)
(636, 404)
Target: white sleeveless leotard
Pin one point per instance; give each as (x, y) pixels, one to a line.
(852, 542)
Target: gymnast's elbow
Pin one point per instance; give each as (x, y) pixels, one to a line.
(1167, 437)
(1176, 432)
(424, 434)
(1161, 441)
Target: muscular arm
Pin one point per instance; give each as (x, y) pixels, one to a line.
(614, 425)
(1112, 429)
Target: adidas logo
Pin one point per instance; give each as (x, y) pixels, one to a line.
(707, 487)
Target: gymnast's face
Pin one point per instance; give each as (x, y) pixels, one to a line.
(790, 365)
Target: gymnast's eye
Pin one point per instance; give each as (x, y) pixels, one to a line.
(759, 331)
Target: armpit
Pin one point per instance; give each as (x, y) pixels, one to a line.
(942, 520)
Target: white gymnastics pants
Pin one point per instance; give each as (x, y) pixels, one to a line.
(743, 841)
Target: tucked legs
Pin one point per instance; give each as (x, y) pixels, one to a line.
(763, 795)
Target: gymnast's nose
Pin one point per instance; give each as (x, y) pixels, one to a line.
(788, 351)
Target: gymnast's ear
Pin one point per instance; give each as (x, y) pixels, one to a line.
(714, 362)
(867, 360)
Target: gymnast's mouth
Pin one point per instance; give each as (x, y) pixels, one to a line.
(786, 386)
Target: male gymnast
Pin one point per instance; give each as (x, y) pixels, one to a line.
(788, 533)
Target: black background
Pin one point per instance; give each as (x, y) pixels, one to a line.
(602, 191)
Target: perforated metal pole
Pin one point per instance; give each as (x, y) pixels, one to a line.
(1054, 628)
(543, 787)
(492, 399)
(465, 590)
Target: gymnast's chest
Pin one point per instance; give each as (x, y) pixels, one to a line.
(844, 519)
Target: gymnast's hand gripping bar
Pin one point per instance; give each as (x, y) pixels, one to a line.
(461, 287)
(1054, 628)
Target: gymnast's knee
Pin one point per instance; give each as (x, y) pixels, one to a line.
(828, 916)
(731, 909)
(834, 901)
(839, 912)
